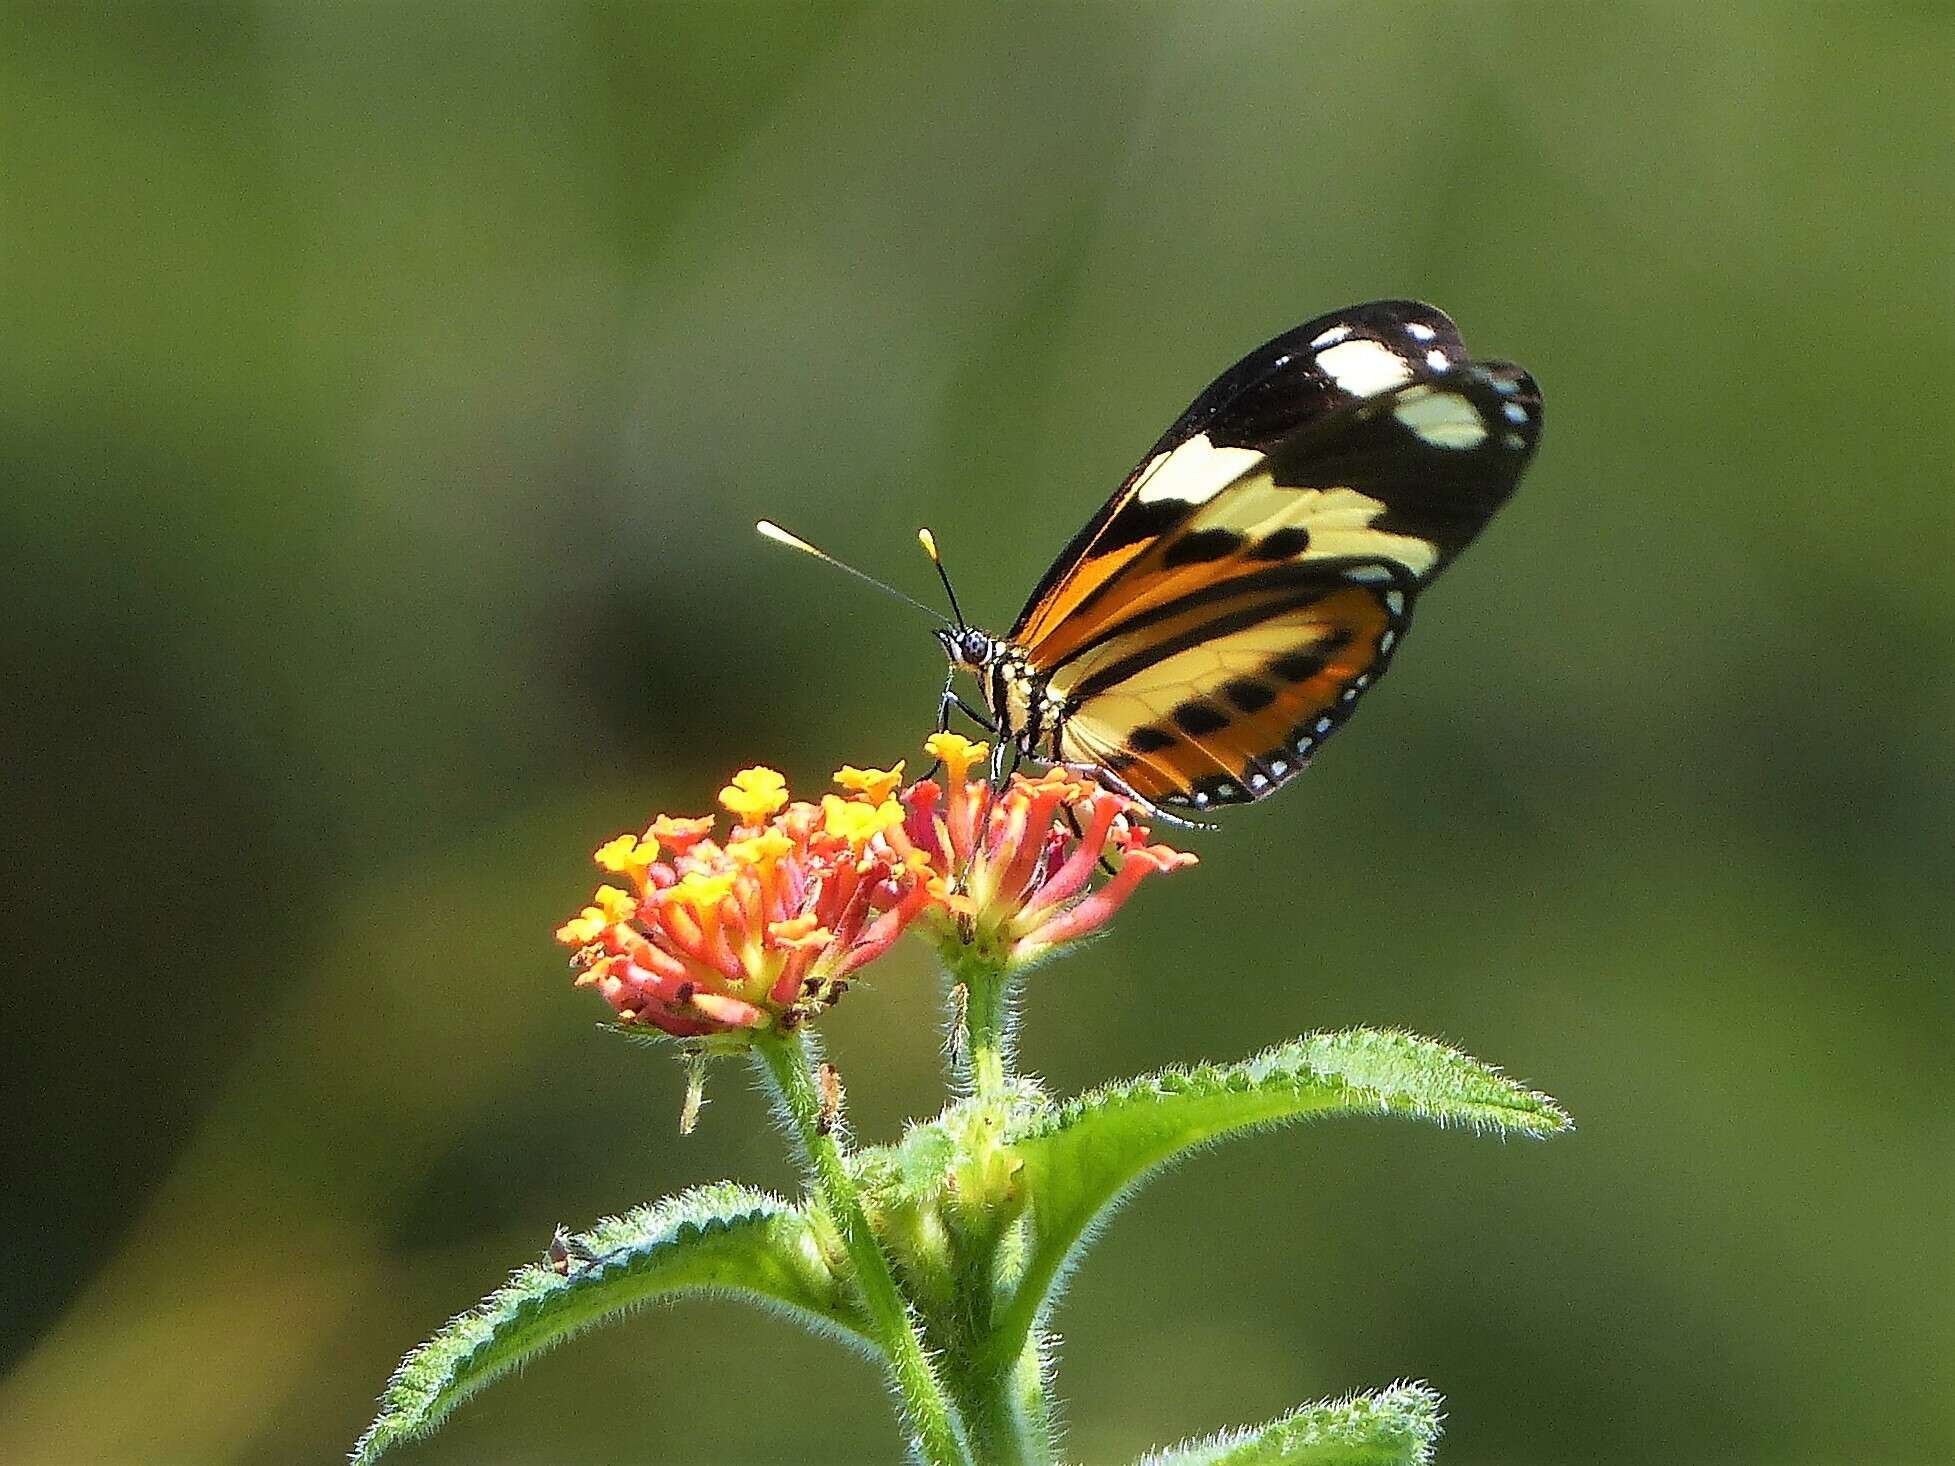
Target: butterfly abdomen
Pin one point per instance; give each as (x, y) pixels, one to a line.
(1030, 715)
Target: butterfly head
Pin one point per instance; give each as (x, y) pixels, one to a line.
(966, 646)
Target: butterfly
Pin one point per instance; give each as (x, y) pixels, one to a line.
(1220, 617)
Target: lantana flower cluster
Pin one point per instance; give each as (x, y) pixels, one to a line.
(766, 927)
(1016, 869)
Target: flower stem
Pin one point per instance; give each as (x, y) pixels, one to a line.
(1010, 1419)
(1005, 1403)
(936, 1432)
(987, 1038)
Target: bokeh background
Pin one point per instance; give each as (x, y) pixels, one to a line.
(386, 397)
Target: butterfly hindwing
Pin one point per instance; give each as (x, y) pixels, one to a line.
(1235, 706)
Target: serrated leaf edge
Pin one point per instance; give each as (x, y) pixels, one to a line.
(442, 1371)
(1413, 1397)
(1287, 1063)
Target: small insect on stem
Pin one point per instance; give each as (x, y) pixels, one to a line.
(960, 1018)
(695, 1067)
(567, 1254)
(830, 1080)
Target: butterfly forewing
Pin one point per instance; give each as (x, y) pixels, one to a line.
(1265, 399)
(1272, 544)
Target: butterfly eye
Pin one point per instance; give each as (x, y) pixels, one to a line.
(964, 645)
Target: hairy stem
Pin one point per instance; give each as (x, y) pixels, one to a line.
(936, 1432)
(1005, 1404)
(986, 1042)
(1010, 1419)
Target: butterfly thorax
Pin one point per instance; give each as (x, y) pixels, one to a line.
(1028, 714)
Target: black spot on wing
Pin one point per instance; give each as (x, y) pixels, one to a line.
(1150, 740)
(1281, 544)
(1299, 666)
(1198, 717)
(1201, 546)
(1247, 695)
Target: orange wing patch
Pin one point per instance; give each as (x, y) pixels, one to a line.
(1157, 498)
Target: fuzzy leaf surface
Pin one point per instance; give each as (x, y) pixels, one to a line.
(724, 1240)
(1079, 1157)
(1394, 1427)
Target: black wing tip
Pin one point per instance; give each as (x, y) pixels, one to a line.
(1398, 310)
(1511, 400)
(1500, 370)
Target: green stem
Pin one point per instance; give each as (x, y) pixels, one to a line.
(1006, 1405)
(987, 1036)
(936, 1431)
(1010, 1419)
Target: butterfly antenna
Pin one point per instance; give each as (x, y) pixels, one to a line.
(774, 532)
(929, 543)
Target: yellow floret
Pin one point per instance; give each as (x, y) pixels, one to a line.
(583, 929)
(957, 752)
(762, 849)
(858, 823)
(702, 892)
(615, 905)
(628, 855)
(754, 794)
(874, 784)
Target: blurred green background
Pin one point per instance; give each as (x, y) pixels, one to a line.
(386, 398)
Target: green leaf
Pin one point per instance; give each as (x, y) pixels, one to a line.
(723, 1239)
(1395, 1427)
(1081, 1156)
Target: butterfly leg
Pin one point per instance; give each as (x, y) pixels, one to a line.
(949, 700)
(1079, 832)
(1120, 786)
(952, 700)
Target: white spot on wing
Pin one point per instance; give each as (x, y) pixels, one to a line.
(1420, 331)
(1385, 641)
(1395, 602)
(1364, 368)
(1195, 472)
(1514, 412)
(1279, 768)
(1443, 419)
(1331, 337)
(1437, 360)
